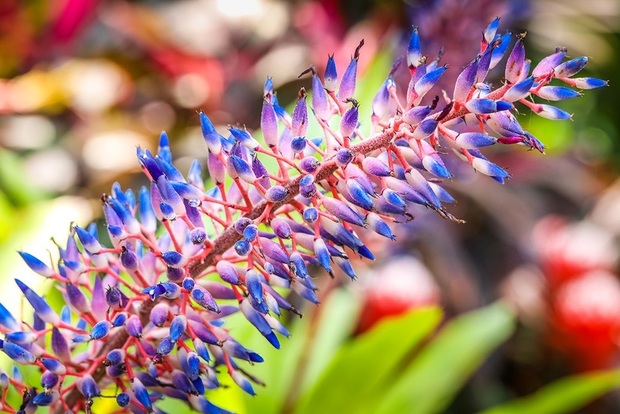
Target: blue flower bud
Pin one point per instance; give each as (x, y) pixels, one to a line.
(243, 136)
(589, 83)
(242, 169)
(46, 398)
(489, 33)
(159, 314)
(348, 82)
(420, 184)
(356, 194)
(472, 140)
(515, 64)
(88, 387)
(166, 345)
(243, 247)
(100, 330)
(203, 298)
(188, 284)
(465, 81)
(500, 49)
(141, 393)
(557, 93)
(308, 191)
(547, 65)
(114, 357)
(201, 349)
(551, 112)
(519, 90)
(309, 164)
(488, 168)
(350, 120)
(177, 327)
(276, 194)
(133, 326)
(18, 354)
(174, 259)
(344, 156)
(123, 399)
(49, 379)
(320, 100)
(426, 82)
(299, 119)
(310, 215)
(36, 265)
(273, 250)
(414, 49)
(253, 282)
(148, 163)
(40, 306)
(331, 75)
(7, 320)
(342, 210)
(211, 136)
(435, 166)
(298, 144)
(322, 254)
(54, 366)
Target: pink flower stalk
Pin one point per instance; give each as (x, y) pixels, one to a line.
(150, 305)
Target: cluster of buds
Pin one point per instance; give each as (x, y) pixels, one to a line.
(144, 315)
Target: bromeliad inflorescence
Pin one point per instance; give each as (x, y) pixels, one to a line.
(144, 317)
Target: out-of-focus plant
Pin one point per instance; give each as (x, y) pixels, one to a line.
(144, 314)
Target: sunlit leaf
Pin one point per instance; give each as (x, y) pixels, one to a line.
(444, 365)
(562, 396)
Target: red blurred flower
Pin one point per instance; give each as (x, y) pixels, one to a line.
(401, 285)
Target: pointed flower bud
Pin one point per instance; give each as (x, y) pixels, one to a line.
(349, 120)
(243, 169)
(134, 326)
(465, 81)
(299, 120)
(88, 387)
(141, 394)
(519, 90)
(547, 65)
(515, 63)
(276, 193)
(40, 306)
(273, 250)
(7, 320)
(228, 272)
(414, 49)
(331, 75)
(472, 140)
(177, 327)
(243, 136)
(202, 297)
(269, 124)
(100, 330)
(159, 314)
(347, 84)
(589, 83)
(557, 93)
(211, 136)
(18, 354)
(488, 168)
(36, 265)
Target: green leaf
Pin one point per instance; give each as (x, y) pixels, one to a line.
(562, 396)
(363, 368)
(432, 380)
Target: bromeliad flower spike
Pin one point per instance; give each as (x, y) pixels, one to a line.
(144, 316)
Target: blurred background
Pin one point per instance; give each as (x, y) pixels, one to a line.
(84, 82)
